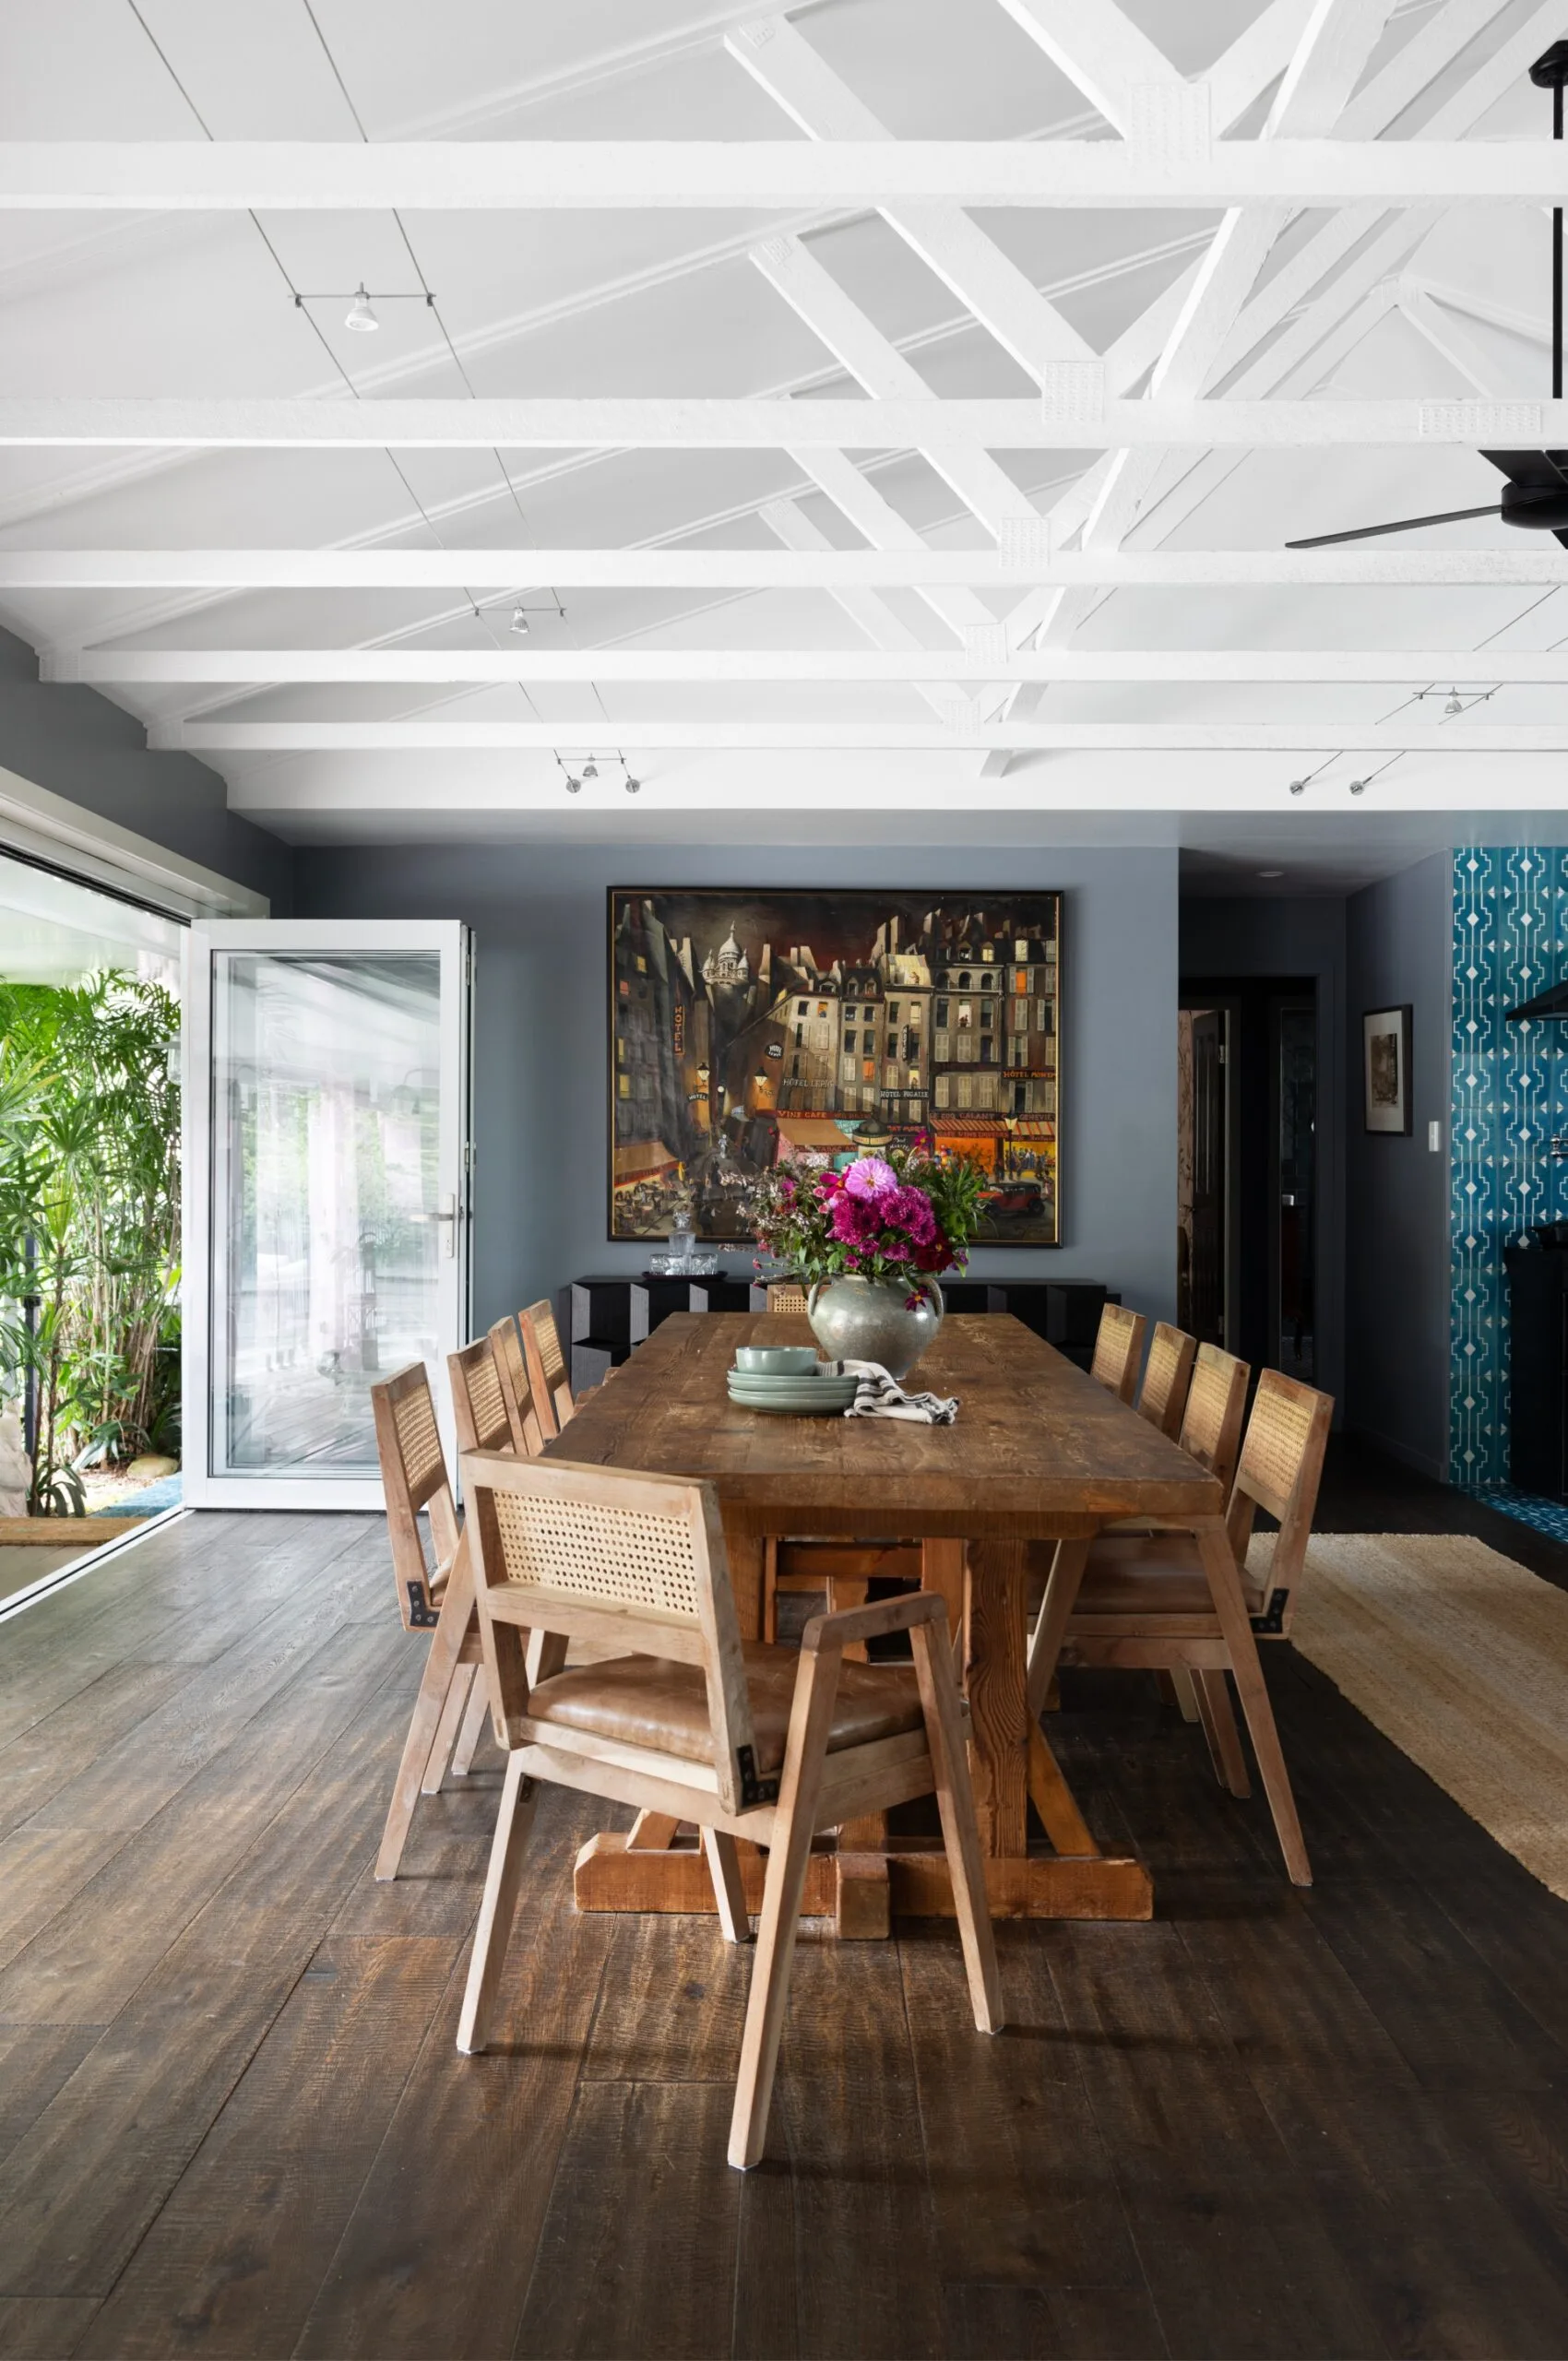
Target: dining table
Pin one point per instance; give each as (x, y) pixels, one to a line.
(1038, 1460)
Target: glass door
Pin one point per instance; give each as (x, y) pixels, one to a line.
(327, 1200)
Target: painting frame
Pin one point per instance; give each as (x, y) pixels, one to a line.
(691, 971)
(1386, 1034)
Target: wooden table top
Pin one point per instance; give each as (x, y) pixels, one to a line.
(1037, 1448)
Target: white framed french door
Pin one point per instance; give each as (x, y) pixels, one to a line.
(326, 1163)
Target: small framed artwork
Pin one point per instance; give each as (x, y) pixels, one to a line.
(1385, 1067)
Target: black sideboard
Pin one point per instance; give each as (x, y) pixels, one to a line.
(605, 1320)
(1538, 1321)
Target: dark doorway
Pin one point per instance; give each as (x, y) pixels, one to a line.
(1247, 1191)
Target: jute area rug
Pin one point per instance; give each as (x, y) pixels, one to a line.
(1460, 1657)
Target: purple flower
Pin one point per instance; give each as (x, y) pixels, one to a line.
(870, 1177)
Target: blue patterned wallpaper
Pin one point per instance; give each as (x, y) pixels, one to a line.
(1510, 1096)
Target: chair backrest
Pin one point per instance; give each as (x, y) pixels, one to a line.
(478, 1402)
(1217, 1402)
(608, 1555)
(547, 1367)
(528, 1429)
(1279, 1470)
(1119, 1349)
(413, 1477)
(1162, 1398)
(786, 1296)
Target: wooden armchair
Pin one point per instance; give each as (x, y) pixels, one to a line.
(746, 1742)
(1174, 1600)
(550, 1384)
(448, 1715)
(1119, 1350)
(1162, 1397)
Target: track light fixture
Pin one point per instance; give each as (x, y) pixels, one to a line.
(574, 786)
(519, 622)
(1360, 786)
(634, 786)
(591, 768)
(359, 316)
(1455, 705)
(1300, 785)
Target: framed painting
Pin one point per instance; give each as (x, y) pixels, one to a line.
(1385, 1066)
(747, 1026)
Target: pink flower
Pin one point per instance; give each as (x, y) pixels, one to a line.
(870, 1177)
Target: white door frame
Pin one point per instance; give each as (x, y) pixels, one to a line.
(451, 939)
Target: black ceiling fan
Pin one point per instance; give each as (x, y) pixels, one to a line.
(1535, 494)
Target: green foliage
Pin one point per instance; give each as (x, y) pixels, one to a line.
(90, 1220)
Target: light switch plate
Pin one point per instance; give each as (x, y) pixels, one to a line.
(1434, 1138)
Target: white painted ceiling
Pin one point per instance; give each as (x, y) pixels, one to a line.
(650, 302)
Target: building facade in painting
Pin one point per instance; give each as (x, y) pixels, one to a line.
(747, 1027)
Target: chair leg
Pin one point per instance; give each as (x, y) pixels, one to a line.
(770, 1589)
(1219, 1728)
(1180, 1685)
(794, 1820)
(502, 1880)
(446, 1729)
(442, 1665)
(960, 1829)
(1225, 1588)
(728, 1887)
(473, 1728)
(1055, 1609)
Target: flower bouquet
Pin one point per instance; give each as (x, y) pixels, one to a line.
(899, 1218)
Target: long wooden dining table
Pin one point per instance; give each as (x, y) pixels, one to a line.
(1038, 1454)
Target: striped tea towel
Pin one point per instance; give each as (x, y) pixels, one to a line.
(877, 1395)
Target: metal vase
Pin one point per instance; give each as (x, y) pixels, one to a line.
(869, 1320)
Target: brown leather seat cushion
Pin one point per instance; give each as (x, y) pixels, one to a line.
(648, 1700)
(1162, 1575)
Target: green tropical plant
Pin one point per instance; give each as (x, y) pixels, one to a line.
(90, 1220)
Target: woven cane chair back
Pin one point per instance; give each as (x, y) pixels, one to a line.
(1162, 1398)
(1118, 1350)
(1279, 1468)
(413, 1477)
(528, 1429)
(479, 1403)
(786, 1296)
(1217, 1402)
(547, 1366)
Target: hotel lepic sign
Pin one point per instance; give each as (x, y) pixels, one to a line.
(746, 1027)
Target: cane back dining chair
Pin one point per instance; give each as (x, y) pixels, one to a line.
(1149, 1599)
(481, 1411)
(786, 1296)
(1162, 1397)
(512, 1375)
(547, 1369)
(447, 1719)
(752, 1742)
(1119, 1350)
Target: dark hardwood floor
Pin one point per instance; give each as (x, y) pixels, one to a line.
(233, 2119)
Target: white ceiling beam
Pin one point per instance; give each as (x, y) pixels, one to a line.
(1256, 57)
(1448, 334)
(1102, 52)
(891, 661)
(799, 80)
(1525, 561)
(856, 498)
(876, 364)
(1285, 737)
(866, 609)
(1077, 421)
(149, 176)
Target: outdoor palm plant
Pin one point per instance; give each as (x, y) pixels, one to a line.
(90, 1213)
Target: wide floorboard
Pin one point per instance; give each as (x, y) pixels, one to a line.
(234, 2122)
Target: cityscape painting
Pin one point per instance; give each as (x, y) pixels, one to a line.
(748, 1027)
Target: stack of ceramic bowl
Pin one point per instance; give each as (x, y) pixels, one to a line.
(787, 1382)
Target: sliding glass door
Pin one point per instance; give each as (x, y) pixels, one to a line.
(326, 1169)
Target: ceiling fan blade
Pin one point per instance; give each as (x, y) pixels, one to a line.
(1539, 470)
(1402, 525)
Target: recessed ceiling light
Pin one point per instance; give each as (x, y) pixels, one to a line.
(359, 316)
(1271, 872)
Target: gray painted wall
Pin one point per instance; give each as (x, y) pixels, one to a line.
(1399, 936)
(542, 1077)
(1250, 937)
(75, 742)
